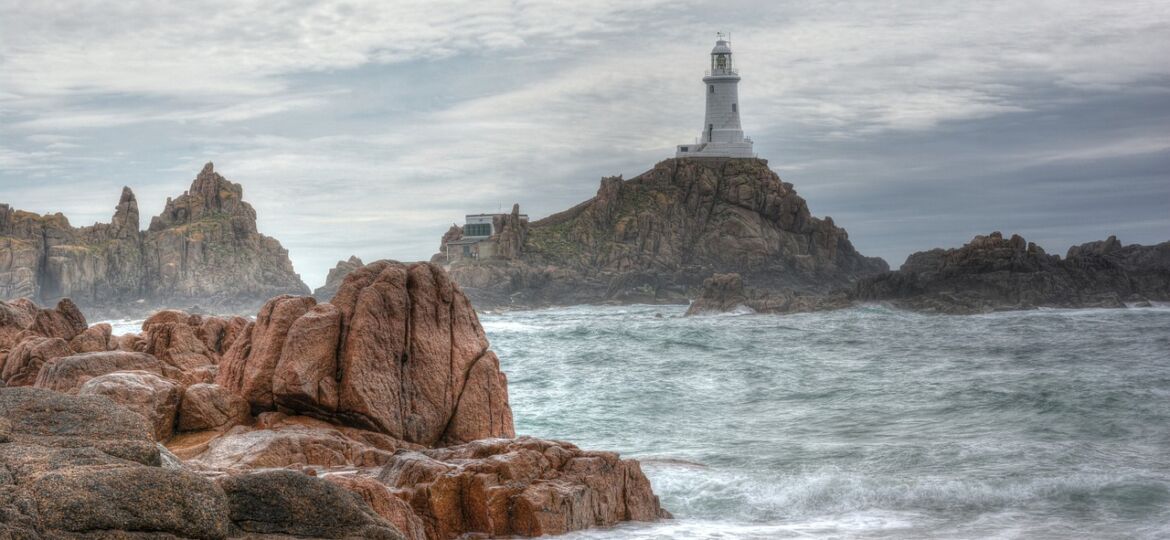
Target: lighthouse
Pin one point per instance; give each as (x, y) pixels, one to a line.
(722, 134)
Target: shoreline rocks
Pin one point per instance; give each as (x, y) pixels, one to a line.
(382, 413)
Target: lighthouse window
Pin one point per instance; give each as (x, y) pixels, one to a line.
(733, 109)
(711, 88)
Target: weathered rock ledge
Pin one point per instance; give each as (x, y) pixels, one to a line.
(380, 414)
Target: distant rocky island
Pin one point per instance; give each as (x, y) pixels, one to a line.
(990, 273)
(203, 250)
(380, 414)
(656, 237)
(718, 233)
(727, 234)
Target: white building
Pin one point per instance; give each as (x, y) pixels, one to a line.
(722, 134)
(479, 235)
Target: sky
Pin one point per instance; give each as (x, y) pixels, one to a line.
(369, 127)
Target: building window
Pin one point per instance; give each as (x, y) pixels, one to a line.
(683, 148)
(466, 251)
(477, 229)
(711, 88)
(710, 132)
(734, 108)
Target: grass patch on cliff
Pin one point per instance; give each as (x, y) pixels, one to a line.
(552, 242)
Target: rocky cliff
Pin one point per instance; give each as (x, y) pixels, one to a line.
(656, 237)
(203, 250)
(45, 258)
(382, 413)
(996, 273)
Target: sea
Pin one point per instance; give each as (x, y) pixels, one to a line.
(862, 423)
(869, 422)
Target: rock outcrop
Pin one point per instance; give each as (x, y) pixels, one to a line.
(656, 237)
(84, 467)
(289, 503)
(520, 487)
(151, 396)
(382, 413)
(726, 292)
(397, 351)
(82, 464)
(995, 273)
(203, 249)
(336, 276)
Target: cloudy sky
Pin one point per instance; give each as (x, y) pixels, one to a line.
(368, 127)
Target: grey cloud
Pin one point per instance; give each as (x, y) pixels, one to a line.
(368, 127)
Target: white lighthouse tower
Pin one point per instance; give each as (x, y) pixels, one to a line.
(722, 135)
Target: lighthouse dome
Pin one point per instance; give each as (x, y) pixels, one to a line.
(721, 47)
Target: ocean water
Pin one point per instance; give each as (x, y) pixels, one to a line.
(862, 423)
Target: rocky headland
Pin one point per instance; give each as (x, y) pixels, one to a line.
(202, 250)
(382, 413)
(990, 273)
(656, 237)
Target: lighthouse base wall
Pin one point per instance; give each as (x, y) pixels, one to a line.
(716, 149)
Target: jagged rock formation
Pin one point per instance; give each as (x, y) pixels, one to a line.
(726, 292)
(385, 408)
(996, 273)
(203, 249)
(656, 237)
(336, 276)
